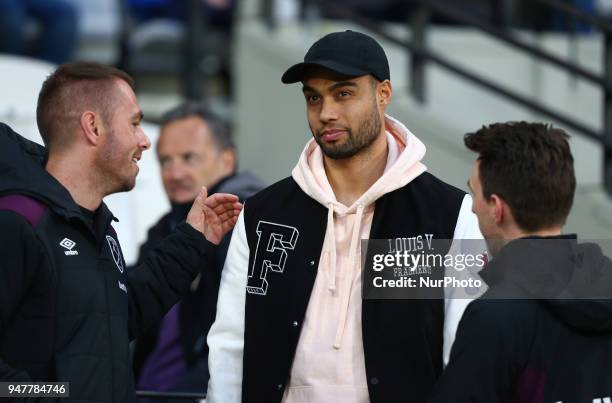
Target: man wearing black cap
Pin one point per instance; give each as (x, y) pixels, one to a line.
(301, 332)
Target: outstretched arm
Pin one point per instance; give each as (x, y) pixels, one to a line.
(167, 272)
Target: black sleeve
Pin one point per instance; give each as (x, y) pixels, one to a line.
(22, 255)
(488, 353)
(165, 276)
(142, 252)
(155, 235)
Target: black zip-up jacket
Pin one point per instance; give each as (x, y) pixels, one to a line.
(68, 309)
(542, 333)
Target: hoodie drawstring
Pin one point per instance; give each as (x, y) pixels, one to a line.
(354, 250)
(331, 252)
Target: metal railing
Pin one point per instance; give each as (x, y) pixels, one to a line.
(420, 55)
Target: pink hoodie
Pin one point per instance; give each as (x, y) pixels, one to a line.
(329, 362)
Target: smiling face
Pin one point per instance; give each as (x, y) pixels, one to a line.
(343, 113)
(124, 141)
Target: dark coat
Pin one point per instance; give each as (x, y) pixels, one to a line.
(542, 333)
(198, 308)
(68, 309)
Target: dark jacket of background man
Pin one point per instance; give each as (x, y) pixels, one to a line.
(194, 149)
(511, 347)
(543, 330)
(197, 309)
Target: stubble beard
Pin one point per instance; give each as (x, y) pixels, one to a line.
(367, 132)
(110, 167)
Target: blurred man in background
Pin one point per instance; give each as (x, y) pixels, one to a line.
(194, 149)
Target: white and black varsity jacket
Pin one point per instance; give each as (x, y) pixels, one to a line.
(268, 277)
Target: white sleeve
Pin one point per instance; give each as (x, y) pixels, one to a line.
(456, 300)
(226, 336)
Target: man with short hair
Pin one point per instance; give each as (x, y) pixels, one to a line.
(543, 330)
(291, 325)
(68, 309)
(194, 149)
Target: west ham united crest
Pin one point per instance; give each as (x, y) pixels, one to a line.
(116, 252)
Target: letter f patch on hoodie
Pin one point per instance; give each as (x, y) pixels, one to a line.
(271, 253)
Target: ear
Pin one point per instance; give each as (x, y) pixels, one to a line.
(384, 92)
(91, 127)
(228, 161)
(499, 208)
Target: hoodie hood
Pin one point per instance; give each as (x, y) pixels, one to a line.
(572, 280)
(22, 171)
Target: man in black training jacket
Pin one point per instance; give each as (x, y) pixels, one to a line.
(67, 308)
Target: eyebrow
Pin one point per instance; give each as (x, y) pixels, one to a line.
(332, 87)
(139, 115)
(342, 84)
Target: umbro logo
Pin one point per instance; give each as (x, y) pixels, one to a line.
(69, 244)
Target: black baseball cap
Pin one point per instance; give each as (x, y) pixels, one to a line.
(349, 53)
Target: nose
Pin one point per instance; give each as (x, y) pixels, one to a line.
(329, 111)
(145, 142)
(175, 171)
